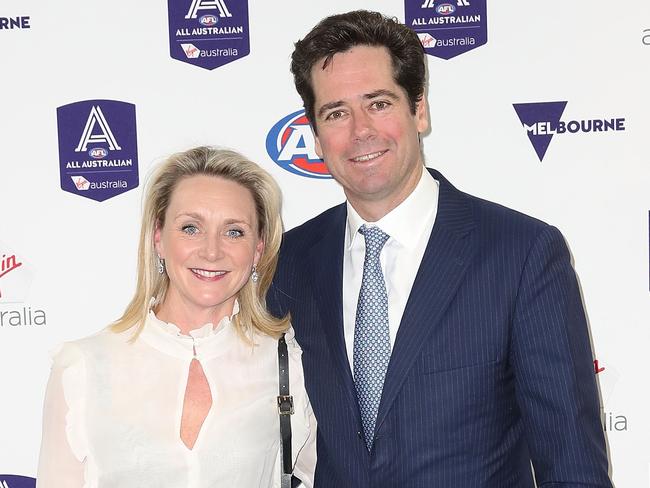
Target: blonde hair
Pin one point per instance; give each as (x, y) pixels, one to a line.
(232, 166)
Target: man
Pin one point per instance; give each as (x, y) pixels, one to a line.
(444, 339)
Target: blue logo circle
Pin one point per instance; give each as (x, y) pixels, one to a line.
(290, 143)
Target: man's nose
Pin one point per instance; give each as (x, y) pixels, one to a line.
(362, 125)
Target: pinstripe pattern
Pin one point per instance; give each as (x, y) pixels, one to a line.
(491, 366)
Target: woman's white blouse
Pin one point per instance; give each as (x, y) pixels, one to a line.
(113, 411)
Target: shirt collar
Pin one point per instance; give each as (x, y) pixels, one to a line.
(406, 222)
(202, 332)
(205, 340)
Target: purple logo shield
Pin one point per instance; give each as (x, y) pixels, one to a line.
(208, 33)
(448, 28)
(98, 149)
(540, 119)
(12, 481)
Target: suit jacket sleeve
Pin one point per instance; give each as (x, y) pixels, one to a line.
(553, 367)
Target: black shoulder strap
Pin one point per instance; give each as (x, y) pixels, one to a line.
(285, 409)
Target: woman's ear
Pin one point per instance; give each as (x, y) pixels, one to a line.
(157, 241)
(259, 249)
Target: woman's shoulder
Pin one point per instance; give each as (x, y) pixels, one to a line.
(80, 350)
(290, 338)
(268, 340)
(293, 349)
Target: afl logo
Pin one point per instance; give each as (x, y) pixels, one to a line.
(98, 152)
(290, 143)
(445, 9)
(208, 20)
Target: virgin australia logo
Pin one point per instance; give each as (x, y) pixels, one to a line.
(13, 284)
(15, 280)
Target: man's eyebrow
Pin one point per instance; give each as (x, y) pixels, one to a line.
(329, 106)
(381, 93)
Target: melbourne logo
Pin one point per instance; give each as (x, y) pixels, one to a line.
(98, 149)
(12, 481)
(290, 143)
(208, 33)
(541, 121)
(447, 29)
(15, 280)
(11, 23)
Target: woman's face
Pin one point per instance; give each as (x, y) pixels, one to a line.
(210, 242)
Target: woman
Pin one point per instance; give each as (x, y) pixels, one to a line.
(182, 390)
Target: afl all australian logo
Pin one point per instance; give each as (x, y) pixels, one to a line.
(98, 148)
(448, 28)
(208, 33)
(290, 143)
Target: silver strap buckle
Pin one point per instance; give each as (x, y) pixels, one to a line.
(285, 405)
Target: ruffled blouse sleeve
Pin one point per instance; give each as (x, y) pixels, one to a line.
(305, 464)
(63, 447)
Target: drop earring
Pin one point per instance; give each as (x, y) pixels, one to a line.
(254, 275)
(161, 265)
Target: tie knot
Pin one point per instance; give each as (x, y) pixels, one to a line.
(375, 239)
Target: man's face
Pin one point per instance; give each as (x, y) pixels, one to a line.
(367, 134)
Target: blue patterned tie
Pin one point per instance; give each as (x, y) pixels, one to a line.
(371, 338)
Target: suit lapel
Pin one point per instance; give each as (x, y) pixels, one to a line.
(326, 260)
(449, 251)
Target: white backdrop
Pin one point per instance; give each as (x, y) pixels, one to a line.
(78, 255)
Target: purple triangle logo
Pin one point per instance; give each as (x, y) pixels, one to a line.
(540, 119)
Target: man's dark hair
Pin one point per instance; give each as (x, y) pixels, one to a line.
(339, 33)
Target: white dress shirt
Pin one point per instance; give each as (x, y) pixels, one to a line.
(409, 226)
(113, 411)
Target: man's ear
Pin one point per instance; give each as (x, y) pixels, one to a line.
(317, 147)
(422, 115)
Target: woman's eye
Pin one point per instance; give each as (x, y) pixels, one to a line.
(234, 233)
(190, 229)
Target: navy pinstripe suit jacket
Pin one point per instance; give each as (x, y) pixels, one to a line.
(491, 367)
